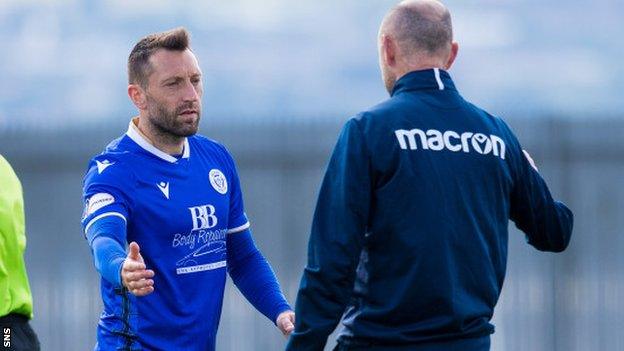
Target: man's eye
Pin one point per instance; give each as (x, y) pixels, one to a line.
(171, 84)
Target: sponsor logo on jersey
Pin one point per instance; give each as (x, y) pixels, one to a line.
(104, 164)
(98, 201)
(203, 217)
(208, 244)
(436, 140)
(218, 181)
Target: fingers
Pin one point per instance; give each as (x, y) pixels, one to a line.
(140, 284)
(136, 278)
(287, 328)
(139, 275)
(131, 265)
(286, 322)
(143, 291)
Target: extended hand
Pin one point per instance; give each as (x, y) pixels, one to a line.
(286, 322)
(134, 275)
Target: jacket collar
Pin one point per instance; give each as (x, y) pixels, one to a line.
(428, 79)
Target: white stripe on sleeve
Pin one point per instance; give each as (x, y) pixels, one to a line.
(100, 216)
(238, 229)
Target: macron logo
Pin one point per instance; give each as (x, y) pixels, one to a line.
(164, 188)
(435, 140)
(101, 166)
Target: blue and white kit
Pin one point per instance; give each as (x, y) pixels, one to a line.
(186, 213)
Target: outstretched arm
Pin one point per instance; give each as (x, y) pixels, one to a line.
(111, 260)
(254, 277)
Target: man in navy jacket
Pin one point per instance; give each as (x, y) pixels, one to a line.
(409, 238)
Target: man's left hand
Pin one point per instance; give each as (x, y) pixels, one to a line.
(286, 322)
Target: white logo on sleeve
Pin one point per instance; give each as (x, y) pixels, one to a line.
(101, 166)
(164, 188)
(98, 201)
(218, 181)
(435, 140)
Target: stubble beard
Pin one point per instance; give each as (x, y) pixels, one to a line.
(388, 78)
(167, 123)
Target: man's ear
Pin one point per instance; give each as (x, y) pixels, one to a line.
(138, 96)
(452, 55)
(388, 50)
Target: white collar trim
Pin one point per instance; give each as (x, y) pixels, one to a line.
(436, 73)
(134, 134)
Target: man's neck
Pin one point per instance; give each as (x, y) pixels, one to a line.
(417, 67)
(164, 142)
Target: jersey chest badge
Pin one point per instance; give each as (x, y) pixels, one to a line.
(218, 181)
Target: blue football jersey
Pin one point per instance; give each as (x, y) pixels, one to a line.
(179, 211)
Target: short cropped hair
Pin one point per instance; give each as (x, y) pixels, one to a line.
(139, 68)
(419, 32)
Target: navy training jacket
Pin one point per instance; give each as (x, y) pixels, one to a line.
(409, 237)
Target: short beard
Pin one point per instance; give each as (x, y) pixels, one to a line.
(166, 122)
(388, 79)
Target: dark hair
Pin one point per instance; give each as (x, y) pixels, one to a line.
(177, 39)
(421, 31)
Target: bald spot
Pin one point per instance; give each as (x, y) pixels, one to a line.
(420, 28)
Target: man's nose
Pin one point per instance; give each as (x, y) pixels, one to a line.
(191, 92)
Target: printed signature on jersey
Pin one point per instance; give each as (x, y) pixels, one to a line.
(214, 250)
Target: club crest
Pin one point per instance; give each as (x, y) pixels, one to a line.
(218, 181)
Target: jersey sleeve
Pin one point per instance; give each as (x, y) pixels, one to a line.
(106, 192)
(237, 219)
(546, 222)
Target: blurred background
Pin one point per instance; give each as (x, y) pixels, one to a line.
(280, 80)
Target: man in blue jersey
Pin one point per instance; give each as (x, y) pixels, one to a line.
(175, 197)
(409, 238)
